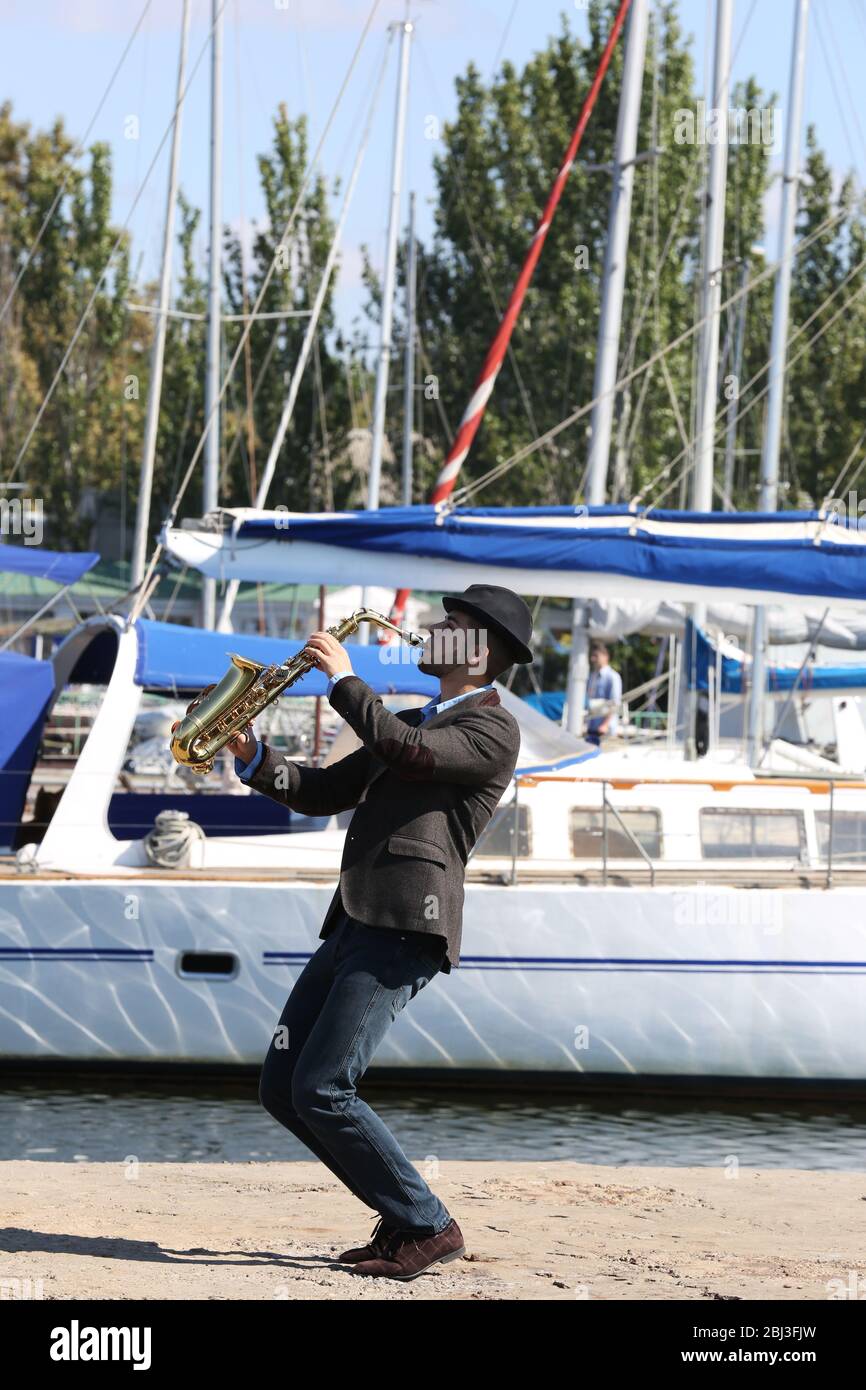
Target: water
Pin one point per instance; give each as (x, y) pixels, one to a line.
(212, 1122)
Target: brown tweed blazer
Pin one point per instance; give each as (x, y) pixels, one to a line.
(423, 793)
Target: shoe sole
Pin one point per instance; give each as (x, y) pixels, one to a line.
(442, 1260)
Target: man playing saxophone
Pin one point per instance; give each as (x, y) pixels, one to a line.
(424, 784)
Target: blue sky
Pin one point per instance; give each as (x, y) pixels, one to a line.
(59, 55)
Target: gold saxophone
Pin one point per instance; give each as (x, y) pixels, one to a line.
(246, 689)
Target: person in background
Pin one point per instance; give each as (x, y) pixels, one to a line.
(604, 683)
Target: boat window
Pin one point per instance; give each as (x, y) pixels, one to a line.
(496, 839)
(587, 832)
(849, 835)
(751, 834)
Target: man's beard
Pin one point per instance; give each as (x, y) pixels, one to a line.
(429, 667)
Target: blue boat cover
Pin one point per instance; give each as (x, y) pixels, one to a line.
(26, 689)
(814, 677)
(60, 567)
(795, 553)
(182, 659)
(549, 702)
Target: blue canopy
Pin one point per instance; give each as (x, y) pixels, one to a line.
(184, 659)
(550, 703)
(61, 567)
(26, 689)
(579, 551)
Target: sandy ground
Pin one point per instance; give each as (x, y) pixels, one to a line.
(532, 1230)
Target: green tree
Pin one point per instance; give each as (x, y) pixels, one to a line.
(826, 386)
(305, 476)
(87, 422)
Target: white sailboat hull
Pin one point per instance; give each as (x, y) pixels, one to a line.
(560, 980)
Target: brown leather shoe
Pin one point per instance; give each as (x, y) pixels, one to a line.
(371, 1251)
(406, 1256)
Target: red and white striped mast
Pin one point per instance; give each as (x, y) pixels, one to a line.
(474, 412)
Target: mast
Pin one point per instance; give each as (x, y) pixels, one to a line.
(145, 487)
(409, 368)
(303, 357)
(377, 434)
(769, 491)
(616, 252)
(610, 321)
(711, 298)
(714, 247)
(736, 369)
(212, 378)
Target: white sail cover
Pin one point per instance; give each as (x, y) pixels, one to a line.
(615, 619)
(784, 558)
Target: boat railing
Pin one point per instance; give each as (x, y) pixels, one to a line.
(608, 806)
(827, 785)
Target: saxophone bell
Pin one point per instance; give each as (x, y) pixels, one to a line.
(192, 744)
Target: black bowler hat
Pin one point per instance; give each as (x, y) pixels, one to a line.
(502, 611)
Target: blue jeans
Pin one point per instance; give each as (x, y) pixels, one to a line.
(342, 1005)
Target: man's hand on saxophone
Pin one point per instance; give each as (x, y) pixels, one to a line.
(244, 745)
(329, 655)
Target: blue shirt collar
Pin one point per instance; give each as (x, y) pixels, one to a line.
(434, 707)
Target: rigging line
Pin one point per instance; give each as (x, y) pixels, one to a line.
(485, 273)
(505, 33)
(437, 400)
(101, 279)
(262, 292)
(633, 428)
(321, 401)
(840, 63)
(76, 154)
(681, 426)
(423, 268)
(266, 282)
(764, 389)
(760, 372)
(275, 339)
(694, 171)
(326, 442)
(659, 355)
(184, 431)
(319, 299)
(835, 89)
(534, 445)
(828, 496)
(664, 472)
(260, 376)
(234, 409)
(485, 381)
(182, 573)
(741, 414)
